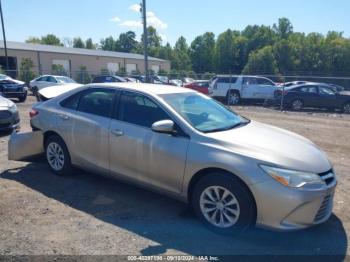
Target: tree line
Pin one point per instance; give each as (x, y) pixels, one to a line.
(257, 49)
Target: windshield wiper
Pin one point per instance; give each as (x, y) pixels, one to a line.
(240, 124)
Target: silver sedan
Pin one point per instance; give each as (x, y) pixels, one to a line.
(233, 171)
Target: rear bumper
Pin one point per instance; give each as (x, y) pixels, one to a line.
(286, 209)
(25, 145)
(14, 94)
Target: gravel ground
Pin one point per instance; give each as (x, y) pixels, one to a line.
(42, 214)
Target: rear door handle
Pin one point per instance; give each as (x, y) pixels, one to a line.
(63, 116)
(117, 132)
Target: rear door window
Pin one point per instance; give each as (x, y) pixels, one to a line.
(97, 101)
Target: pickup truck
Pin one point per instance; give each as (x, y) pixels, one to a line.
(235, 88)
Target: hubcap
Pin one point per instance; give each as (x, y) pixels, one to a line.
(297, 105)
(55, 156)
(233, 99)
(219, 206)
(347, 109)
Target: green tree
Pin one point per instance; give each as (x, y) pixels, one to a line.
(89, 44)
(51, 39)
(181, 58)
(26, 72)
(284, 28)
(202, 52)
(78, 43)
(261, 62)
(108, 44)
(126, 42)
(33, 40)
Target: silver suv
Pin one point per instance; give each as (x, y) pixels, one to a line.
(233, 171)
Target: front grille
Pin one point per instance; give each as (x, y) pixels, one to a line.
(4, 114)
(325, 209)
(328, 177)
(4, 125)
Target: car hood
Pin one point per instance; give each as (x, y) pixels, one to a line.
(53, 91)
(5, 103)
(274, 146)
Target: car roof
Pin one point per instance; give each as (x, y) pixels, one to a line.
(154, 89)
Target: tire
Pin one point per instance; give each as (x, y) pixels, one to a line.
(57, 156)
(22, 98)
(34, 90)
(297, 105)
(346, 108)
(236, 192)
(233, 98)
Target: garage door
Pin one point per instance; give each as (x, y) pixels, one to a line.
(64, 63)
(155, 68)
(130, 68)
(113, 67)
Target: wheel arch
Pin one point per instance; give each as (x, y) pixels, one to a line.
(207, 171)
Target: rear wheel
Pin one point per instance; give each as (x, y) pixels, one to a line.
(223, 203)
(57, 155)
(22, 98)
(233, 98)
(297, 105)
(346, 108)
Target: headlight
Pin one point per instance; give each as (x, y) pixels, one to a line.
(13, 108)
(292, 178)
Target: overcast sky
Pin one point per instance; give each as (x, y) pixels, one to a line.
(101, 18)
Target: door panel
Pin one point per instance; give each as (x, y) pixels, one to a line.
(148, 157)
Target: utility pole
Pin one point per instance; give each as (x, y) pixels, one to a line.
(4, 36)
(145, 38)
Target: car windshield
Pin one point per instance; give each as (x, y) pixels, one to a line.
(63, 79)
(204, 113)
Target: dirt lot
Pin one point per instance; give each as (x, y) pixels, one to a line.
(86, 214)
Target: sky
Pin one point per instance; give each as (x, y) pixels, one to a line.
(189, 18)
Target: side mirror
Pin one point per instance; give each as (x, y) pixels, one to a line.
(164, 126)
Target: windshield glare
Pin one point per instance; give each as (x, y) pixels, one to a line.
(203, 113)
(65, 80)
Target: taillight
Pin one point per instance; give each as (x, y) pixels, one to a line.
(33, 113)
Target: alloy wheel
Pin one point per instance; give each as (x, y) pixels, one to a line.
(297, 105)
(219, 206)
(55, 156)
(233, 98)
(347, 109)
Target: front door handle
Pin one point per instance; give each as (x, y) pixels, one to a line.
(117, 132)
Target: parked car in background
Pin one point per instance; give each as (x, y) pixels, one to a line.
(9, 116)
(293, 83)
(175, 82)
(313, 95)
(201, 86)
(235, 88)
(11, 88)
(187, 80)
(48, 80)
(235, 172)
(108, 79)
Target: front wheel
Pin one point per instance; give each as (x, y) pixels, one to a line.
(223, 203)
(22, 98)
(297, 105)
(57, 155)
(346, 108)
(233, 98)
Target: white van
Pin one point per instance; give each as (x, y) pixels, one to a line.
(235, 88)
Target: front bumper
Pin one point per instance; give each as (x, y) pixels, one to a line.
(286, 209)
(9, 121)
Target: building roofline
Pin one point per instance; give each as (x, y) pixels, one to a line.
(11, 45)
